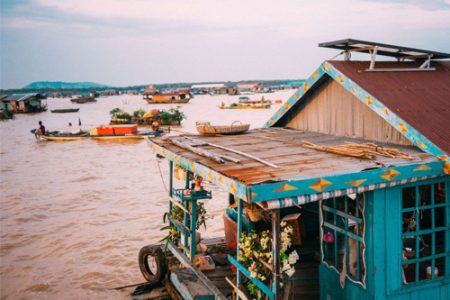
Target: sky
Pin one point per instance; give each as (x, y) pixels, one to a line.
(136, 42)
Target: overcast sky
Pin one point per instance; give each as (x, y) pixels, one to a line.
(134, 42)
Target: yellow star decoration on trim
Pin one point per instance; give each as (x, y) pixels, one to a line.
(177, 160)
(446, 168)
(183, 161)
(402, 127)
(295, 95)
(305, 86)
(285, 187)
(422, 168)
(271, 121)
(211, 176)
(354, 91)
(287, 105)
(341, 78)
(192, 167)
(326, 67)
(233, 188)
(421, 144)
(320, 185)
(221, 180)
(202, 175)
(443, 157)
(369, 100)
(314, 75)
(389, 175)
(356, 182)
(164, 152)
(385, 111)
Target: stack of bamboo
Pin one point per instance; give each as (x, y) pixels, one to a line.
(368, 150)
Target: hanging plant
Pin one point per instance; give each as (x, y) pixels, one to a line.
(256, 248)
(177, 214)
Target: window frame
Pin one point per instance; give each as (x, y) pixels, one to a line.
(347, 233)
(394, 239)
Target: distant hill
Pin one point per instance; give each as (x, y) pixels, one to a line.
(63, 85)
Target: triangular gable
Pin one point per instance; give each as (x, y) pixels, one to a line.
(370, 101)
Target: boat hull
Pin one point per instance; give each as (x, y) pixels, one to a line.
(63, 111)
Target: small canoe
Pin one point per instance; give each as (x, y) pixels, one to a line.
(236, 127)
(67, 136)
(236, 106)
(65, 110)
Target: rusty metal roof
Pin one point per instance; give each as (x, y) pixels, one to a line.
(281, 147)
(421, 98)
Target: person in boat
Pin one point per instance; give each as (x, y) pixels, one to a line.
(155, 126)
(40, 130)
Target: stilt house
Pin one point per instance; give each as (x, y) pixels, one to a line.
(362, 152)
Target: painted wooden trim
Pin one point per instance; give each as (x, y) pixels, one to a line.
(256, 281)
(370, 101)
(354, 181)
(229, 185)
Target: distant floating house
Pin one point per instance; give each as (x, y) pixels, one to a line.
(248, 86)
(25, 103)
(149, 92)
(211, 88)
(376, 223)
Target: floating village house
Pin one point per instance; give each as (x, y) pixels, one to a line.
(372, 228)
(211, 88)
(25, 103)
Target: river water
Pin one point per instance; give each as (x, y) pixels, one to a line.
(74, 214)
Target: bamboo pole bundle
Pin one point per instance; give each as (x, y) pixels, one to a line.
(367, 151)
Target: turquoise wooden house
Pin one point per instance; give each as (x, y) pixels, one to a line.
(373, 227)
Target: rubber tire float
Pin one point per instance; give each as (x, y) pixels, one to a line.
(156, 253)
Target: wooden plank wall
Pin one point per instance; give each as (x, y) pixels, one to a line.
(333, 110)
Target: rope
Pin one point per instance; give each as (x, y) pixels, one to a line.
(162, 177)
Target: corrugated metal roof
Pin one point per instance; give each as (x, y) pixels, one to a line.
(421, 98)
(22, 97)
(282, 147)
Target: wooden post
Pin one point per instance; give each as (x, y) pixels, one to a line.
(276, 253)
(238, 242)
(193, 225)
(186, 216)
(170, 184)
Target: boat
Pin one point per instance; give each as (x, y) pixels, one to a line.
(65, 110)
(237, 127)
(255, 102)
(107, 132)
(244, 98)
(245, 106)
(83, 99)
(165, 98)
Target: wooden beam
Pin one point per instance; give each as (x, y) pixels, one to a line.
(198, 151)
(238, 152)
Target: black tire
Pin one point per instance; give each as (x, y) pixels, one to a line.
(156, 253)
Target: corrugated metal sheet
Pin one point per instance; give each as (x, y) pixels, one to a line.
(421, 98)
(282, 147)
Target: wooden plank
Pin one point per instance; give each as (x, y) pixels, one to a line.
(200, 152)
(188, 285)
(200, 276)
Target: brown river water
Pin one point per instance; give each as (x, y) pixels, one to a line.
(74, 214)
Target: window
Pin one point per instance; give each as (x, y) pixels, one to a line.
(343, 228)
(425, 228)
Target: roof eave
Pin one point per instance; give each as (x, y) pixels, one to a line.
(326, 68)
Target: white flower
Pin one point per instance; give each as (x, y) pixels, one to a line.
(293, 257)
(290, 272)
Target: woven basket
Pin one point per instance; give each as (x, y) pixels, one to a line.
(255, 213)
(236, 127)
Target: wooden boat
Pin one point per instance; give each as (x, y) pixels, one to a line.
(99, 133)
(65, 110)
(255, 102)
(83, 99)
(236, 127)
(245, 106)
(176, 97)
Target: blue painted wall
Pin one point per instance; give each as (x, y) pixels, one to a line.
(383, 256)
